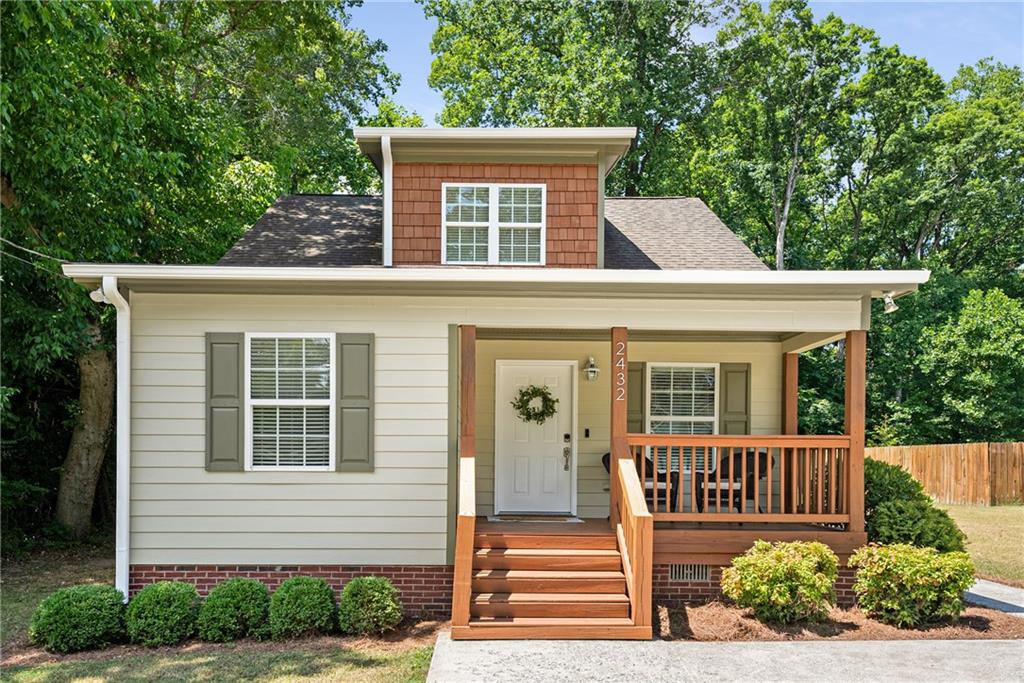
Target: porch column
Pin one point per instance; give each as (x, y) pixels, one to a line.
(465, 527)
(856, 376)
(620, 390)
(790, 386)
(467, 391)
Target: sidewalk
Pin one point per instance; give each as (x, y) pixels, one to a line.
(997, 596)
(679, 661)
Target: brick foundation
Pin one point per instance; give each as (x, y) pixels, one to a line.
(426, 590)
(675, 593)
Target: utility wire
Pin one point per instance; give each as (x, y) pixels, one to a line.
(32, 251)
(35, 265)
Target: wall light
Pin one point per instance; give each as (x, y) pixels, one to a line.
(890, 305)
(591, 370)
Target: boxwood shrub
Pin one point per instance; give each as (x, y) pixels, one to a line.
(884, 482)
(163, 613)
(302, 606)
(783, 582)
(369, 604)
(236, 608)
(907, 586)
(915, 522)
(79, 618)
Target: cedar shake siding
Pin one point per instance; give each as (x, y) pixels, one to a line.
(571, 232)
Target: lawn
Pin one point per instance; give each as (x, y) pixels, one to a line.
(25, 582)
(995, 537)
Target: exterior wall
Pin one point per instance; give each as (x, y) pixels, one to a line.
(594, 408)
(424, 589)
(571, 208)
(675, 593)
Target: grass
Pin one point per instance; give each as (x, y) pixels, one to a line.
(25, 582)
(995, 536)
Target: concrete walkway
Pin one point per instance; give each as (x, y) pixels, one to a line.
(997, 596)
(654, 661)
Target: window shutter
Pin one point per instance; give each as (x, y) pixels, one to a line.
(225, 353)
(635, 403)
(734, 413)
(354, 392)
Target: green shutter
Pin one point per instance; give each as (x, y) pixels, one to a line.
(734, 413)
(354, 419)
(635, 400)
(225, 353)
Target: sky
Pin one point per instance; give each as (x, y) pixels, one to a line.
(947, 34)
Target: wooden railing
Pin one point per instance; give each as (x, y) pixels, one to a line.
(635, 533)
(798, 479)
(465, 528)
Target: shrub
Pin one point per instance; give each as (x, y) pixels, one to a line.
(783, 582)
(302, 606)
(907, 586)
(79, 618)
(369, 604)
(884, 482)
(916, 522)
(237, 608)
(163, 613)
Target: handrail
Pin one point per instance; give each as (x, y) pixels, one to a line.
(635, 534)
(465, 529)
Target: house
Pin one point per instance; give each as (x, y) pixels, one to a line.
(537, 409)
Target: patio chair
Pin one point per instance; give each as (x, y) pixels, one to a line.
(728, 492)
(649, 484)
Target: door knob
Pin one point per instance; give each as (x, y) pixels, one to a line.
(566, 452)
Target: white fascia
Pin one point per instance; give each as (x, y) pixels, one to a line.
(388, 173)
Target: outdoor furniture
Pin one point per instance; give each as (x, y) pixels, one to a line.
(728, 492)
(649, 484)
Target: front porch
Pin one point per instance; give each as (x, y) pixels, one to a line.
(655, 497)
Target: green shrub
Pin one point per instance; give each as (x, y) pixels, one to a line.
(783, 582)
(916, 522)
(369, 604)
(884, 482)
(906, 586)
(163, 613)
(302, 606)
(79, 618)
(237, 608)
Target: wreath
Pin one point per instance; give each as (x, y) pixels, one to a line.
(528, 410)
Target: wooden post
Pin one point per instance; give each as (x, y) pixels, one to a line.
(790, 386)
(465, 530)
(856, 406)
(620, 390)
(467, 391)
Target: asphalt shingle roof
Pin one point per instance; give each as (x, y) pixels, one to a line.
(656, 233)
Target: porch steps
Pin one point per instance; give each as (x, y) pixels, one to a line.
(566, 605)
(547, 559)
(531, 581)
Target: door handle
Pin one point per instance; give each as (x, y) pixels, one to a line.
(566, 452)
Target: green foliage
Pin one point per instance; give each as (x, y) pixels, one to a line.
(907, 586)
(914, 522)
(369, 604)
(884, 483)
(163, 613)
(236, 608)
(302, 606)
(783, 582)
(79, 618)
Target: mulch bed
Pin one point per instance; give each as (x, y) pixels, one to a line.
(719, 621)
(409, 636)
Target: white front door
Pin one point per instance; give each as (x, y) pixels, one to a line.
(534, 464)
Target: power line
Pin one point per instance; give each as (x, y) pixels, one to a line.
(35, 265)
(32, 251)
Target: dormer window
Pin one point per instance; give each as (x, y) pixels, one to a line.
(493, 224)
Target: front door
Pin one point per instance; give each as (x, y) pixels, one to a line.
(534, 463)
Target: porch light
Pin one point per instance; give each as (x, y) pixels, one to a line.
(591, 370)
(890, 305)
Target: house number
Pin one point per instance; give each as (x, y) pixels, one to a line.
(620, 371)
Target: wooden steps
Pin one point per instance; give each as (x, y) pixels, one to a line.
(531, 581)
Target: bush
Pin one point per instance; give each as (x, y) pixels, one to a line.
(79, 618)
(237, 608)
(884, 482)
(163, 613)
(369, 604)
(783, 582)
(302, 606)
(915, 522)
(907, 586)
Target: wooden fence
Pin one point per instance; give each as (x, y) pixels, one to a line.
(966, 473)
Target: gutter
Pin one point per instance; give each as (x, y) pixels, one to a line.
(113, 296)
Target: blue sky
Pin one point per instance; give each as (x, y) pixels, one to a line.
(947, 34)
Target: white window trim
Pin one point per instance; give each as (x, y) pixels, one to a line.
(331, 401)
(492, 224)
(650, 365)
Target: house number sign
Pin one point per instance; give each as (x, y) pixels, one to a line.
(619, 362)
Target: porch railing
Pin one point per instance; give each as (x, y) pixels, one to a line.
(795, 479)
(635, 534)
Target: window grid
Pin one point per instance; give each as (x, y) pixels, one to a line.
(682, 399)
(493, 224)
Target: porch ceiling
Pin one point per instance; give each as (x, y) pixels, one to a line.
(601, 334)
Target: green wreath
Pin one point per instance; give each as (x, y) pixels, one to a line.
(527, 411)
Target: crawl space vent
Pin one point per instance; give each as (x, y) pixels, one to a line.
(689, 572)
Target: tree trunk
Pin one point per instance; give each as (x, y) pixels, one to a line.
(88, 446)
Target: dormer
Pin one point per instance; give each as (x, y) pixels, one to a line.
(494, 196)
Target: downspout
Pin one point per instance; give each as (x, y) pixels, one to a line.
(385, 150)
(112, 295)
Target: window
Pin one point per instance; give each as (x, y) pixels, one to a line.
(682, 399)
(493, 224)
(290, 401)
